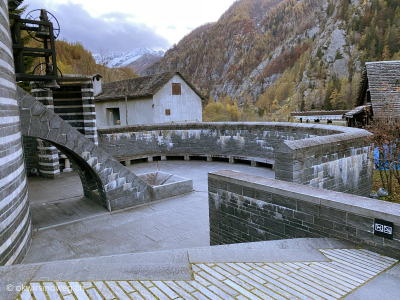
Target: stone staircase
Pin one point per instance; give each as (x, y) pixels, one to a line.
(104, 179)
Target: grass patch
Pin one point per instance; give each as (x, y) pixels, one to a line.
(377, 183)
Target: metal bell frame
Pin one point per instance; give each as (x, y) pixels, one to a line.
(46, 50)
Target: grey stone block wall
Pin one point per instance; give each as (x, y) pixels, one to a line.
(30, 153)
(15, 222)
(341, 162)
(328, 157)
(245, 208)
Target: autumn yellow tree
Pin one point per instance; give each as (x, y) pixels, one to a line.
(225, 110)
(335, 99)
(215, 112)
(386, 55)
(234, 113)
(265, 100)
(74, 58)
(275, 105)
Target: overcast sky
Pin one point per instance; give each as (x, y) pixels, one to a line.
(124, 25)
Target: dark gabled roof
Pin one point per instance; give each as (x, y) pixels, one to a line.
(384, 85)
(362, 88)
(139, 87)
(357, 110)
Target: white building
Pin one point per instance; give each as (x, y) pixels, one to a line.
(161, 98)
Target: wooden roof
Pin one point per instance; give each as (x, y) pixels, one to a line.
(357, 110)
(140, 87)
(384, 85)
(362, 88)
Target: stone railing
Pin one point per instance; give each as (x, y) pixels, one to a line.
(329, 157)
(246, 208)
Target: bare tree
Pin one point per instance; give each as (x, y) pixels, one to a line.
(386, 139)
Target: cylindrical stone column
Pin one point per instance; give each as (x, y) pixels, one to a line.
(15, 222)
(48, 160)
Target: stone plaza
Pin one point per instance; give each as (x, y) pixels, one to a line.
(183, 210)
(161, 250)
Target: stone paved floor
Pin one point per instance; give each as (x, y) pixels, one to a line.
(63, 211)
(43, 190)
(58, 201)
(347, 270)
(177, 222)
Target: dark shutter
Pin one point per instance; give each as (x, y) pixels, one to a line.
(176, 89)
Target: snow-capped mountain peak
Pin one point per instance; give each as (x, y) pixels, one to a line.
(118, 59)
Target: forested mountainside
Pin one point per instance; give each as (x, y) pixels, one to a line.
(74, 58)
(271, 57)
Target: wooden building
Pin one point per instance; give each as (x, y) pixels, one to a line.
(379, 93)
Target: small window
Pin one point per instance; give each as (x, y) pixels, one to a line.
(167, 112)
(176, 89)
(113, 116)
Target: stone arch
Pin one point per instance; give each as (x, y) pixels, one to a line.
(104, 179)
(91, 182)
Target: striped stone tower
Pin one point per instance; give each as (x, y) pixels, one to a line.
(89, 110)
(74, 102)
(15, 223)
(48, 161)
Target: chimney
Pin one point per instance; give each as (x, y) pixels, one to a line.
(97, 84)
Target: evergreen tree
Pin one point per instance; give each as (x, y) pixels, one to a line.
(386, 55)
(303, 105)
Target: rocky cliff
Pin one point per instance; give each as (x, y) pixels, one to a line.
(316, 46)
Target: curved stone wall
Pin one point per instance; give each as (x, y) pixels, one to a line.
(258, 140)
(15, 225)
(330, 157)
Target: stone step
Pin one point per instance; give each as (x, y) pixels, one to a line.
(299, 268)
(176, 263)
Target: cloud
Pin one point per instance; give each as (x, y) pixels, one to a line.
(171, 27)
(114, 31)
(117, 15)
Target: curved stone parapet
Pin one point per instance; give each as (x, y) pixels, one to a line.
(103, 178)
(15, 221)
(329, 157)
